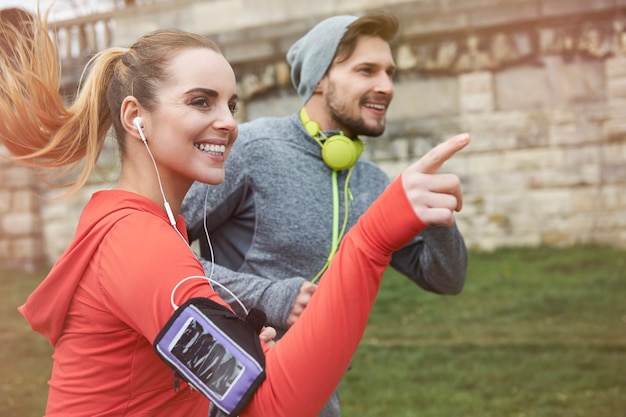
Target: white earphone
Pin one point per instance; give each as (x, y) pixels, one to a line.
(170, 215)
(137, 122)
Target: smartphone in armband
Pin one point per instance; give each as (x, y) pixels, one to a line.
(215, 351)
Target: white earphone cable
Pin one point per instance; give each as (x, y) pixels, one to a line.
(168, 209)
(210, 277)
(172, 220)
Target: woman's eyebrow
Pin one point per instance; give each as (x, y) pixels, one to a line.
(206, 91)
(209, 92)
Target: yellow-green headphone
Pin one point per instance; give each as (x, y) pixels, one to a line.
(339, 152)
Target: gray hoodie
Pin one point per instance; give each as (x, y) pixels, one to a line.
(270, 222)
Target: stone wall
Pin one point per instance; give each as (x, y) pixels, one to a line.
(21, 237)
(539, 84)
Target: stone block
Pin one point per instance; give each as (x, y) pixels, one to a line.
(255, 50)
(58, 236)
(420, 97)
(564, 7)
(436, 23)
(559, 177)
(614, 130)
(587, 199)
(17, 177)
(501, 13)
(616, 88)
(5, 248)
(550, 202)
(579, 156)
(5, 201)
(530, 160)
(522, 87)
(400, 149)
(494, 131)
(615, 110)
(615, 68)
(476, 92)
(613, 197)
(613, 220)
(24, 201)
(391, 168)
(589, 174)
(457, 165)
(573, 133)
(27, 249)
(272, 105)
(482, 163)
(613, 173)
(20, 224)
(612, 153)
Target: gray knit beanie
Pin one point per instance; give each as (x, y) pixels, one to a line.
(312, 54)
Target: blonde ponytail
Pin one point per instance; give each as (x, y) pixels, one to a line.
(38, 130)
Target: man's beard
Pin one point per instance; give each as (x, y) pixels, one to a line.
(356, 126)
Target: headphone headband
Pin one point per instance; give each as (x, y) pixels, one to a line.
(339, 152)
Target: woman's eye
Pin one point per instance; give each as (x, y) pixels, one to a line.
(200, 102)
(234, 108)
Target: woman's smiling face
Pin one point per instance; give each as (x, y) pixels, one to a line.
(193, 127)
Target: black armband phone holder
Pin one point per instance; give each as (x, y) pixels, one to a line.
(215, 351)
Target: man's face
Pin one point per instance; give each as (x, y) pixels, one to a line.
(358, 91)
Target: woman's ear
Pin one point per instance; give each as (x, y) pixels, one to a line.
(130, 111)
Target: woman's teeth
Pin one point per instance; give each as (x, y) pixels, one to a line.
(212, 149)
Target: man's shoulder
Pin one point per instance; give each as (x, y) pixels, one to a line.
(265, 128)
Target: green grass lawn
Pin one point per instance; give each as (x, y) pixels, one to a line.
(536, 332)
(24, 355)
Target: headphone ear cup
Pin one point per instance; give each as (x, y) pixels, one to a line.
(312, 128)
(340, 152)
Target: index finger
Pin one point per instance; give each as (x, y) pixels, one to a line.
(435, 158)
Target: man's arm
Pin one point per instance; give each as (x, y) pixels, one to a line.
(440, 264)
(275, 297)
(436, 260)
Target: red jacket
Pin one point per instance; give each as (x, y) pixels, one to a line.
(108, 296)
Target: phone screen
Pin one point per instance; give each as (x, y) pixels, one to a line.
(198, 350)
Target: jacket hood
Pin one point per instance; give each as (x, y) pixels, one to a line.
(46, 308)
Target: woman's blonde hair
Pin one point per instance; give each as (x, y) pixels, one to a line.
(38, 129)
